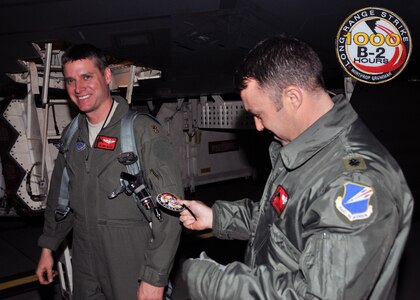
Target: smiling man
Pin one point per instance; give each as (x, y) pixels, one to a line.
(336, 209)
(116, 254)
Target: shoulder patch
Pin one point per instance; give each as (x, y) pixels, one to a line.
(354, 204)
(353, 163)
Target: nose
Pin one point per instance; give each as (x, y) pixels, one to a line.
(258, 124)
(78, 86)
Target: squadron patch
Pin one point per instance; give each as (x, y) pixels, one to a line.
(106, 142)
(155, 129)
(354, 204)
(80, 145)
(279, 199)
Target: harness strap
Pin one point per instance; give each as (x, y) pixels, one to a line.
(63, 207)
(127, 140)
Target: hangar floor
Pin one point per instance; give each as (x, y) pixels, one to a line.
(19, 253)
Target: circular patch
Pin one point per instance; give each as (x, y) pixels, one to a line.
(170, 201)
(373, 45)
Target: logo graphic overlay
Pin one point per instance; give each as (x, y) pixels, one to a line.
(354, 204)
(373, 45)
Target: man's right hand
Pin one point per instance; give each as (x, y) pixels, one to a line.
(203, 215)
(44, 271)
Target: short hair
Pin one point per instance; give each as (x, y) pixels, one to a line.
(85, 51)
(278, 62)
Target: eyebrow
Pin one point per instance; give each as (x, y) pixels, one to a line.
(81, 75)
(87, 74)
(67, 78)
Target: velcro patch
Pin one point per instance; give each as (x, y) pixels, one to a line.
(106, 142)
(279, 199)
(80, 145)
(354, 163)
(354, 204)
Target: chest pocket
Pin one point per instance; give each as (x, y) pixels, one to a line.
(281, 252)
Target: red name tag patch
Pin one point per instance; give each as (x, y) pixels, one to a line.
(106, 142)
(279, 199)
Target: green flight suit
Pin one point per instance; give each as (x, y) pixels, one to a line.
(113, 245)
(331, 224)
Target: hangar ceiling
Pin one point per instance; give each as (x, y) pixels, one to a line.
(196, 44)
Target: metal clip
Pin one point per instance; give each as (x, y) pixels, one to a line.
(61, 213)
(127, 158)
(121, 189)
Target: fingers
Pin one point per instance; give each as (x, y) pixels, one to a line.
(197, 215)
(188, 221)
(41, 278)
(185, 202)
(187, 211)
(44, 270)
(40, 274)
(45, 275)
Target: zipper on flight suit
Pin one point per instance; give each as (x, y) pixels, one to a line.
(254, 251)
(87, 159)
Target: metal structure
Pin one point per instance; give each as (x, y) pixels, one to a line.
(205, 132)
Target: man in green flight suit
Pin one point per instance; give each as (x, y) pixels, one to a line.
(336, 210)
(116, 254)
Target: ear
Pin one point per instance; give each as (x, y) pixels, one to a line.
(108, 75)
(293, 96)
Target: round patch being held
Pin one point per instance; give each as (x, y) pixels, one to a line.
(170, 201)
(373, 45)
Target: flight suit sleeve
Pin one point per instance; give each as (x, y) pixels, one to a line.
(162, 172)
(55, 232)
(234, 220)
(342, 257)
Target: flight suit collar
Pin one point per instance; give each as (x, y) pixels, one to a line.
(319, 134)
(120, 111)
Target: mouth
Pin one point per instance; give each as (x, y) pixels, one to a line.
(81, 98)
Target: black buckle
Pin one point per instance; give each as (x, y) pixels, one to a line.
(61, 213)
(127, 158)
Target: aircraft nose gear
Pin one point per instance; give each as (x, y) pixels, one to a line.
(131, 184)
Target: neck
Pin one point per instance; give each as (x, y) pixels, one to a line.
(316, 106)
(101, 113)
